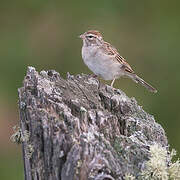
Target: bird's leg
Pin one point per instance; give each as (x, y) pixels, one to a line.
(93, 76)
(112, 82)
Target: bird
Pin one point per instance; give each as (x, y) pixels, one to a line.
(104, 60)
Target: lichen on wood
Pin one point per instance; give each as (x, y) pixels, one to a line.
(81, 129)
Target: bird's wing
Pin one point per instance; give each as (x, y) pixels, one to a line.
(111, 51)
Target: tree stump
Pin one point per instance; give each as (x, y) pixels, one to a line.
(79, 129)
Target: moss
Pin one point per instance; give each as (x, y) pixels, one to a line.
(117, 146)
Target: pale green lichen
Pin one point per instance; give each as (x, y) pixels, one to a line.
(157, 167)
(78, 166)
(129, 177)
(82, 109)
(174, 167)
(19, 136)
(29, 150)
(74, 140)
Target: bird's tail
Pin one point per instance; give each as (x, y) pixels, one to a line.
(139, 80)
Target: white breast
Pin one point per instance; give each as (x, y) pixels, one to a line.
(101, 64)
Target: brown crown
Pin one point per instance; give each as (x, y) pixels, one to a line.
(97, 33)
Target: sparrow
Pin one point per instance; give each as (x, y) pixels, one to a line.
(104, 60)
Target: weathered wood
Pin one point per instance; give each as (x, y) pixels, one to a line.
(81, 130)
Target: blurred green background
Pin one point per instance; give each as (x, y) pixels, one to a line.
(44, 34)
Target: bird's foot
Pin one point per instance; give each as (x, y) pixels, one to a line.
(93, 76)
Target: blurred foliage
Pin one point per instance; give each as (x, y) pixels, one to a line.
(44, 34)
(11, 166)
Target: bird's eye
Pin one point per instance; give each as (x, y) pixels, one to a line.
(90, 37)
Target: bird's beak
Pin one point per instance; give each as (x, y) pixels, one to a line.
(81, 36)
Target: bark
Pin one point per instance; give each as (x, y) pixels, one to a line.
(80, 129)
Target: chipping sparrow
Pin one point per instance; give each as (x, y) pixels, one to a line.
(104, 60)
